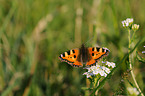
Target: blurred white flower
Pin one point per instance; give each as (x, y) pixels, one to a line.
(102, 73)
(132, 91)
(110, 64)
(88, 74)
(98, 69)
(135, 27)
(127, 22)
(107, 70)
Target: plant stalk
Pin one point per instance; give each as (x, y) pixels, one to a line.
(130, 65)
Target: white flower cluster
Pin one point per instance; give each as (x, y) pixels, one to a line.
(98, 69)
(143, 51)
(132, 91)
(127, 22)
(110, 64)
(135, 27)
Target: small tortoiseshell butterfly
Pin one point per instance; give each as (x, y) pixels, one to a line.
(77, 57)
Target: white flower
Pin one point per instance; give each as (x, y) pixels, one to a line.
(110, 64)
(124, 23)
(98, 69)
(88, 74)
(107, 70)
(102, 73)
(135, 27)
(93, 68)
(132, 91)
(127, 22)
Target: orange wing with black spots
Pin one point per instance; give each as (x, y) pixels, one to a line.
(96, 54)
(71, 57)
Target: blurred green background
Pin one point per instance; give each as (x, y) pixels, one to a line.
(33, 33)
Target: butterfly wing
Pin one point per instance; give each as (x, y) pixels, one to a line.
(71, 57)
(96, 53)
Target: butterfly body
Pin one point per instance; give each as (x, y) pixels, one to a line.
(83, 55)
(79, 56)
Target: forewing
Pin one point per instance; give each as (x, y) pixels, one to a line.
(71, 57)
(96, 53)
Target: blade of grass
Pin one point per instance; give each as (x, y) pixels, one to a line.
(8, 18)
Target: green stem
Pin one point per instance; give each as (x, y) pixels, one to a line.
(129, 49)
(130, 65)
(132, 37)
(96, 83)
